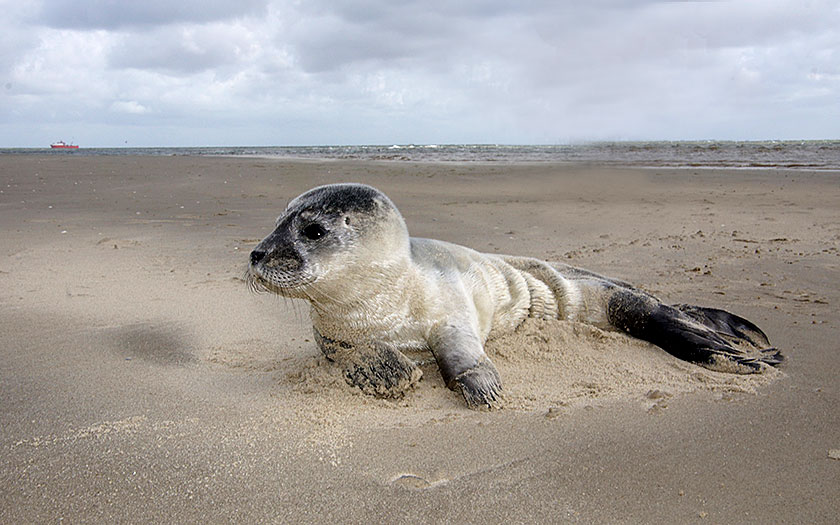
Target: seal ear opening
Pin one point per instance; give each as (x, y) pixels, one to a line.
(347, 220)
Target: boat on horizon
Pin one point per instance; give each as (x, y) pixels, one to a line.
(63, 145)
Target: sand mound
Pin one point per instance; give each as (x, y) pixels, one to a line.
(562, 363)
(544, 365)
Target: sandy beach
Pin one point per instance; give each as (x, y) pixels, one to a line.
(142, 381)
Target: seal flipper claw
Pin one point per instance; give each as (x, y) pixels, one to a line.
(481, 386)
(772, 356)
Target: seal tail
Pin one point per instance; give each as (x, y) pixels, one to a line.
(709, 337)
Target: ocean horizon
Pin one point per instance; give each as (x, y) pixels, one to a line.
(770, 154)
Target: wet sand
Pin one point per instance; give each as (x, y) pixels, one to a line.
(142, 381)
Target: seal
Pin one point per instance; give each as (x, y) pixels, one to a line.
(377, 294)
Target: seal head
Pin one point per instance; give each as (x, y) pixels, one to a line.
(338, 226)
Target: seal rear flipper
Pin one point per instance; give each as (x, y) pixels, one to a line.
(746, 344)
(725, 323)
(709, 337)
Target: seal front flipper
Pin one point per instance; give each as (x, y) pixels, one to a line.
(377, 369)
(381, 370)
(709, 337)
(465, 367)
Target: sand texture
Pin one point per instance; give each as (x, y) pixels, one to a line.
(142, 381)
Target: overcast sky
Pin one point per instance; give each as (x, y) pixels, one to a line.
(266, 72)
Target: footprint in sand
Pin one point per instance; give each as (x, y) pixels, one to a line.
(415, 482)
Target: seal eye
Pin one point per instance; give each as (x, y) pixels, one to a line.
(314, 231)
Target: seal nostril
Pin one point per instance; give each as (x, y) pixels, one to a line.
(257, 256)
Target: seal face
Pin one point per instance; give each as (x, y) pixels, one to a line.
(319, 229)
(375, 293)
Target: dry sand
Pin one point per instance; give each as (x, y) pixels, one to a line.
(142, 381)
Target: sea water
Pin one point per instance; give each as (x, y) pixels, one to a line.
(808, 154)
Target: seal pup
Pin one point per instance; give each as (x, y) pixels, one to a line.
(376, 294)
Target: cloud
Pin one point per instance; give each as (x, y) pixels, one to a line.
(184, 49)
(116, 14)
(268, 72)
(129, 106)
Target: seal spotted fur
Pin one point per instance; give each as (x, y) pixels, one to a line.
(376, 293)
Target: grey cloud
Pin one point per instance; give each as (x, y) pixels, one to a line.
(116, 14)
(328, 44)
(324, 41)
(334, 35)
(337, 35)
(181, 50)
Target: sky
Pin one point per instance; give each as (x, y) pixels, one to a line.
(109, 73)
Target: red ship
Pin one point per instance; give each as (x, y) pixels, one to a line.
(63, 145)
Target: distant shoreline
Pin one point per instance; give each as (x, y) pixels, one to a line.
(823, 155)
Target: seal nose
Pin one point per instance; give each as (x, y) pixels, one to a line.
(257, 256)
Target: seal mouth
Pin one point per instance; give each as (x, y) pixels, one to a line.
(269, 280)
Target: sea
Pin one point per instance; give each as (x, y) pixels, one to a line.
(783, 154)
